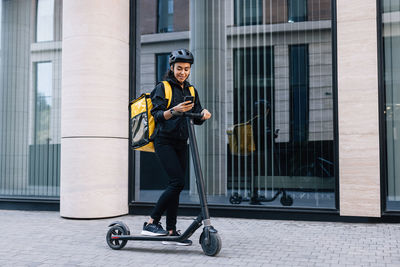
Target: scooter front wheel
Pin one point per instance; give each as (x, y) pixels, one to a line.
(112, 237)
(286, 200)
(214, 244)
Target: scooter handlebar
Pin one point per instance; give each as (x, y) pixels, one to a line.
(193, 115)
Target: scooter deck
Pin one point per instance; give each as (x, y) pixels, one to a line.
(151, 238)
(197, 222)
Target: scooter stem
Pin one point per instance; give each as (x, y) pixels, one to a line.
(198, 172)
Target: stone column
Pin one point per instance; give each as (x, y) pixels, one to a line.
(208, 44)
(94, 120)
(359, 164)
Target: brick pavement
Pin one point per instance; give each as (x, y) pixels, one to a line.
(36, 238)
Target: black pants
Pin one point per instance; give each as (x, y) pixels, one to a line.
(173, 155)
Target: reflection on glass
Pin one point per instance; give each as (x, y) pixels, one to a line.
(165, 16)
(297, 10)
(248, 12)
(298, 76)
(391, 46)
(45, 21)
(43, 153)
(271, 139)
(44, 87)
(1, 24)
(29, 100)
(162, 62)
(390, 5)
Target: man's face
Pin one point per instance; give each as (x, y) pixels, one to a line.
(181, 71)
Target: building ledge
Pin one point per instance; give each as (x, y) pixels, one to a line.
(243, 30)
(164, 37)
(46, 46)
(278, 28)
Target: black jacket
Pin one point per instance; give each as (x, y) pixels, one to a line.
(176, 127)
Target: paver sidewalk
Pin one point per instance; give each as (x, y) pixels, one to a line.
(35, 238)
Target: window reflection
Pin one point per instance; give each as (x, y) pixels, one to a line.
(297, 10)
(390, 5)
(298, 76)
(44, 87)
(165, 16)
(391, 65)
(162, 62)
(44, 151)
(1, 24)
(45, 21)
(271, 138)
(30, 86)
(248, 12)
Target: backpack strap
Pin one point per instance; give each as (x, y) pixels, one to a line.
(167, 92)
(191, 89)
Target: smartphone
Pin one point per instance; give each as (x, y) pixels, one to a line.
(188, 98)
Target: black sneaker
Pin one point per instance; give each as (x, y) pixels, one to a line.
(153, 229)
(186, 242)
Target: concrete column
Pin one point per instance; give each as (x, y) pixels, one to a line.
(94, 120)
(358, 108)
(208, 44)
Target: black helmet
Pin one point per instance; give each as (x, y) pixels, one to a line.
(181, 55)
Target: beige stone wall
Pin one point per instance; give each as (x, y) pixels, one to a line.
(95, 95)
(358, 108)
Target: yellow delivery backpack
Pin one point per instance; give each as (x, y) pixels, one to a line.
(241, 139)
(141, 121)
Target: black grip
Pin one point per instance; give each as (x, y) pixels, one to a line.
(193, 115)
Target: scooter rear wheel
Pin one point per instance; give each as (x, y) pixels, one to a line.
(214, 245)
(113, 232)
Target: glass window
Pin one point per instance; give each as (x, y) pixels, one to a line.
(270, 141)
(248, 12)
(44, 151)
(165, 16)
(45, 21)
(297, 10)
(390, 5)
(30, 96)
(298, 75)
(162, 62)
(44, 88)
(1, 24)
(391, 80)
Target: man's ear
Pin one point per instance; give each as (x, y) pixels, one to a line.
(172, 67)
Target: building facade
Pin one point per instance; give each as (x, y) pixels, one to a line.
(303, 95)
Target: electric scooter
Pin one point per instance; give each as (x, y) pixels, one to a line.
(119, 233)
(256, 199)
